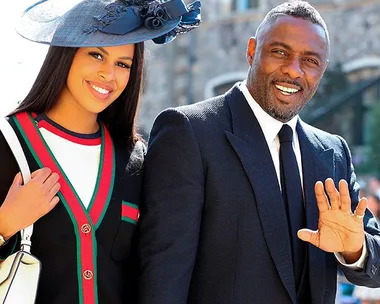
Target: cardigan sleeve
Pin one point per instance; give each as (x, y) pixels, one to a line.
(8, 170)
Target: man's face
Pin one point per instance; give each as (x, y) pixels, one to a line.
(287, 60)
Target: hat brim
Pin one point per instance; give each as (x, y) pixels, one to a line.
(64, 23)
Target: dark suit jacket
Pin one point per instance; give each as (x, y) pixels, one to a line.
(213, 228)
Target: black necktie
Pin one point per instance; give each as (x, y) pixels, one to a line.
(293, 198)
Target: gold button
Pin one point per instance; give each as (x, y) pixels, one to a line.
(87, 274)
(86, 228)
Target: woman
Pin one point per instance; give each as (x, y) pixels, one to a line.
(77, 130)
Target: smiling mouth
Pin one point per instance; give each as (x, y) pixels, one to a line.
(287, 90)
(99, 89)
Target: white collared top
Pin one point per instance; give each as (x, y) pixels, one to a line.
(270, 127)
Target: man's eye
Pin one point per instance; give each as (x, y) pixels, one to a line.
(312, 61)
(279, 52)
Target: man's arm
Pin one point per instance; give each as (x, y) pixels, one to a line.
(369, 275)
(345, 224)
(171, 210)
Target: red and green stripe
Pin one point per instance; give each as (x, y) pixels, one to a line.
(129, 212)
(105, 180)
(86, 243)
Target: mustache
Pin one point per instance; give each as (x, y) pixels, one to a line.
(289, 81)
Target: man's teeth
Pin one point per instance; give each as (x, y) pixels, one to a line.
(285, 90)
(100, 90)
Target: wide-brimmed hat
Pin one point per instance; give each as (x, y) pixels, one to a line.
(76, 23)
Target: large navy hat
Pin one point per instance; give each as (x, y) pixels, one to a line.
(75, 23)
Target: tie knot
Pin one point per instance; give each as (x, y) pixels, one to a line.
(285, 134)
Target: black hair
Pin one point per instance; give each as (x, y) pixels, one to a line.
(119, 117)
(297, 9)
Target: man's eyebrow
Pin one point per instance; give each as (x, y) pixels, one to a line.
(284, 45)
(105, 52)
(289, 48)
(315, 54)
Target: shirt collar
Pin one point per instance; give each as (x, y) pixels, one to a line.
(269, 125)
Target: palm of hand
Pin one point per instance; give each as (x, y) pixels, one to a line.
(339, 231)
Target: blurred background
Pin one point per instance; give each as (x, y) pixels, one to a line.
(208, 61)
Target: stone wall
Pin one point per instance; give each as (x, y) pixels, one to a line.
(183, 72)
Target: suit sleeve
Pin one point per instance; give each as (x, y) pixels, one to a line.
(370, 275)
(8, 170)
(171, 210)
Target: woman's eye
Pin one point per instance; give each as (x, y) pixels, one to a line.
(96, 55)
(123, 65)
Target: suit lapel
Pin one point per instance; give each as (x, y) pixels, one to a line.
(317, 164)
(249, 144)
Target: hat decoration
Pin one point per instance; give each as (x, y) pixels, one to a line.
(86, 23)
(124, 16)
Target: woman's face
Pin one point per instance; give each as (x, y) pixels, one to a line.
(97, 77)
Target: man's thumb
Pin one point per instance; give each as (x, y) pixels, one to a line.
(308, 235)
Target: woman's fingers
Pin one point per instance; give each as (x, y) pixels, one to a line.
(17, 181)
(54, 189)
(53, 202)
(41, 175)
(51, 181)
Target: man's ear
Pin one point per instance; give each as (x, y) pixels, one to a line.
(327, 63)
(251, 48)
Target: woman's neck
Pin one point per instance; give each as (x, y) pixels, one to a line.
(74, 118)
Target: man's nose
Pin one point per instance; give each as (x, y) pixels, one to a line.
(293, 68)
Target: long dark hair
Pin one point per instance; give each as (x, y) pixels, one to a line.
(119, 117)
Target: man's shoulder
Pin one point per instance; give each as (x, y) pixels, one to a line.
(211, 106)
(206, 110)
(325, 138)
(203, 117)
(216, 106)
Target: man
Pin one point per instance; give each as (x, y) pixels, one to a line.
(230, 182)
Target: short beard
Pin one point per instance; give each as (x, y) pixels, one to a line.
(283, 116)
(260, 92)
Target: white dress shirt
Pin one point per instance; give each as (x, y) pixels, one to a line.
(270, 127)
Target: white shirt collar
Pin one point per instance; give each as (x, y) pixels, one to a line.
(269, 125)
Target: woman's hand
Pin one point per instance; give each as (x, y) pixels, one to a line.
(25, 204)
